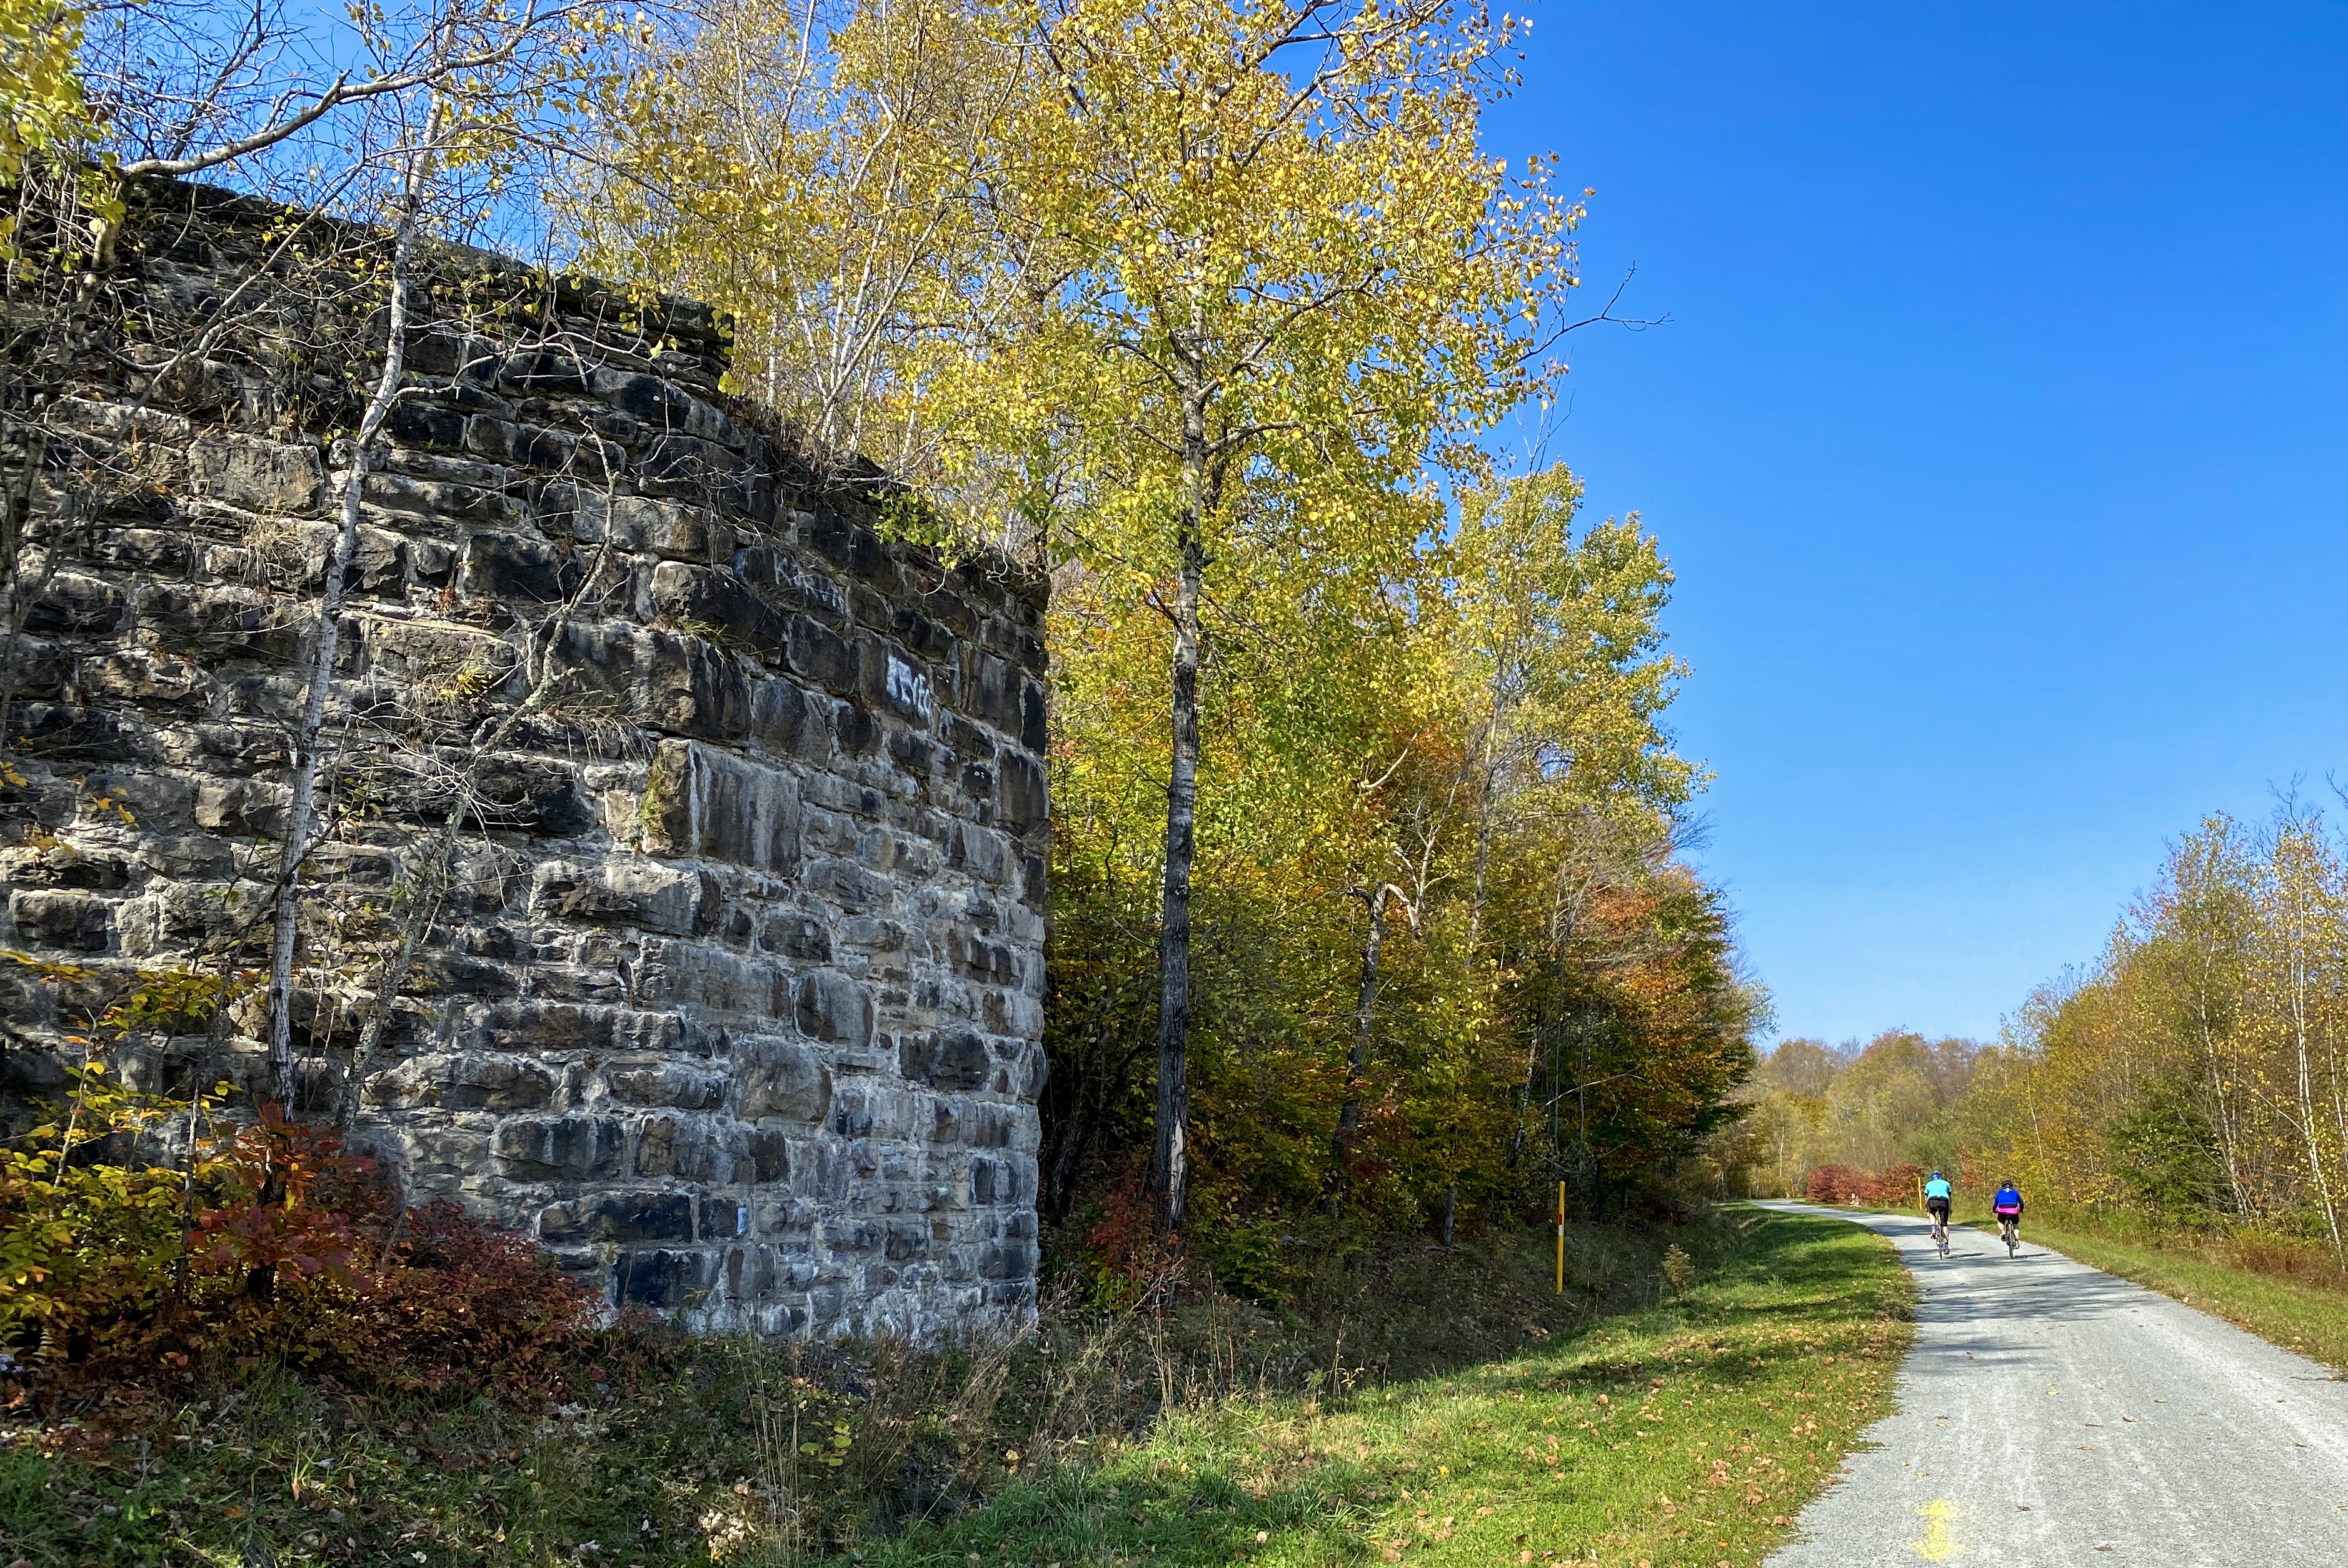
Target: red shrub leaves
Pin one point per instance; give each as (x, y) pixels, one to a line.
(267, 1240)
(1897, 1186)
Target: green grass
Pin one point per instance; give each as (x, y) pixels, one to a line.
(1407, 1404)
(1689, 1432)
(2298, 1314)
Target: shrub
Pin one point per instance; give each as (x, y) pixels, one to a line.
(264, 1240)
(1896, 1185)
(1835, 1184)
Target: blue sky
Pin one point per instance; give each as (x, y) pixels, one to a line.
(1996, 437)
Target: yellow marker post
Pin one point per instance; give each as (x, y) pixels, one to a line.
(1560, 1238)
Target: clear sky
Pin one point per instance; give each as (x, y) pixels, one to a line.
(1997, 437)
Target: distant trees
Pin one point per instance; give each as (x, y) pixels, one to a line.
(1896, 1100)
(2199, 1074)
(2196, 1077)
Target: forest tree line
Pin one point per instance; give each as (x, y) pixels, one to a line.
(1368, 896)
(2193, 1079)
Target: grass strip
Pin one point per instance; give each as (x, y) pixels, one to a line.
(1690, 1432)
(1639, 1426)
(2298, 1315)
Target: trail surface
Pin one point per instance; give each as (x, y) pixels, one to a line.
(2051, 1414)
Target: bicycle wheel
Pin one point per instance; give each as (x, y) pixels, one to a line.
(2012, 1241)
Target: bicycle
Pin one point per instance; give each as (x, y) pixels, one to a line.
(1940, 1234)
(2012, 1232)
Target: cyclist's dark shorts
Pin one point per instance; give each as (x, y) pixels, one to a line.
(1938, 1206)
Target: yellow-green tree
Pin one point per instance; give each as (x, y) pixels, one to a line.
(820, 171)
(1274, 276)
(41, 99)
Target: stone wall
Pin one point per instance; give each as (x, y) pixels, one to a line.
(736, 1003)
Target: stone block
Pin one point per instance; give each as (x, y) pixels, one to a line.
(691, 974)
(946, 1059)
(1035, 1072)
(540, 371)
(518, 568)
(895, 682)
(629, 1216)
(450, 353)
(681, 1147)
(854, 729)
(628, 891)
(834, 1008)
(1022, 791)
(1034, 717)
(541, 1026)
(463, 1082)
(559, 1148)
(668, 529)
(416, 423)
(661, 406)
(854, 887)
(258, 475)
(797, 935)
(822, 656)
(854, 549)
(718, 605)
(784, 723)
(723, 1219)
(534, 447)
(745, 812)
(76, 604)
(535, 792)
(695, 689)
(781, 1078)
(146, 679)
(993, 1181)
(446, 504)
(686, 466)
(770, 1154)
(1010, 1262)
(190, 857)
(991, 691)
(669, 1083)
(166, 552)
(659, 1279)
(594, 662)
(77, 922)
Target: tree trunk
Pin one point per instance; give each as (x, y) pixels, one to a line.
(1484, 814)
(1169, 1167)
(302, 806)
(1349, 1116)
(2307, 1123)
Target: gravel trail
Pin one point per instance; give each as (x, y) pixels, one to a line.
(2051, 1415)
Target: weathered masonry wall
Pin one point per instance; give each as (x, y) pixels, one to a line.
(736, 1002)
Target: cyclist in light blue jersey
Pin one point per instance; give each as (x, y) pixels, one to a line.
(1937, 1195)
